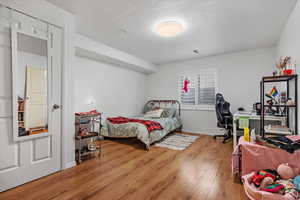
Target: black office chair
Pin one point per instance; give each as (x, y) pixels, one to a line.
(224, 116)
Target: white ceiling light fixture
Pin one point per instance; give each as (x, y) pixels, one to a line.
(169, 28)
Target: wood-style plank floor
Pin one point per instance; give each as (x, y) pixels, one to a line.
(126, 171)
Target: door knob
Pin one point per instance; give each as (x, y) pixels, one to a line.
(55, 107)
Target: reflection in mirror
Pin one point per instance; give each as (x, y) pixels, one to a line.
(31, 85)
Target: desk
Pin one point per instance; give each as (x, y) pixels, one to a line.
(252, 116)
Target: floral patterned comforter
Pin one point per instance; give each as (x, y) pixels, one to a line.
(139, 131)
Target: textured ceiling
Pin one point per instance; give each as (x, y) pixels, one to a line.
(213, 26)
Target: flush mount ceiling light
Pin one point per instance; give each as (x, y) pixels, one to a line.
(169, 28)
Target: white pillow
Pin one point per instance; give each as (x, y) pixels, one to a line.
(154, 113)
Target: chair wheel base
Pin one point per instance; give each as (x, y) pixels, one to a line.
(226, 137)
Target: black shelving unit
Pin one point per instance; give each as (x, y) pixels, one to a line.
(88, 123)
(288, 79)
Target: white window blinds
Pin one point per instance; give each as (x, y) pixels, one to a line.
(206, 88)
(198, 90)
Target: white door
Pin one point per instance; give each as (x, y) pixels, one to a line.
(36, 113)
(25, 158)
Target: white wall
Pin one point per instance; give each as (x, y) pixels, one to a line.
(110, 89)
(289, 43)
(239, 75)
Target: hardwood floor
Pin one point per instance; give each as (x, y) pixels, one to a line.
(126, 171)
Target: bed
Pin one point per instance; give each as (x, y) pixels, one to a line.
(169, 124)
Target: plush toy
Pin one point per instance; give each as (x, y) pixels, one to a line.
(266, 182)
(285, 171)
(296, 182)
(289, 190)
(276, 188)
(186, 85)
(259, 176)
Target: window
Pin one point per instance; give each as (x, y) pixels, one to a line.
(198, 91)
(188, 96)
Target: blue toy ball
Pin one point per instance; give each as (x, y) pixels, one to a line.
(296, 182)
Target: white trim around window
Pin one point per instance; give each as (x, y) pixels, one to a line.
(190, 100)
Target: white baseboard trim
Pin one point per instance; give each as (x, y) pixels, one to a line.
(70, 164)
(198, 132)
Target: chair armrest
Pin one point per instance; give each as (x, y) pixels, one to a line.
(228, 119)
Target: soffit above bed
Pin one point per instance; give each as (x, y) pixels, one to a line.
(87, 48)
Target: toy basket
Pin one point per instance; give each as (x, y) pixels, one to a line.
(254, 193)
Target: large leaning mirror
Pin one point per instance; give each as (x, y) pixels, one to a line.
(30, 84)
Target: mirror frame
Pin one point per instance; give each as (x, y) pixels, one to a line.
(15, 30)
